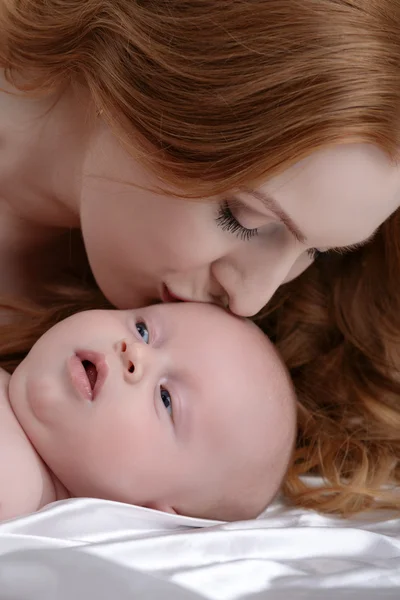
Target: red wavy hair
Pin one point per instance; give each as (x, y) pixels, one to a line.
(229, 93)
(223, 93)
(338, 330)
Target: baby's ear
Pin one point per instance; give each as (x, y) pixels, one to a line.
(162, 506)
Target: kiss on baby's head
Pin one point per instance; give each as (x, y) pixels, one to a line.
(179, 407)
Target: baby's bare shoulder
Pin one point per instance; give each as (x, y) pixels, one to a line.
(20, 474)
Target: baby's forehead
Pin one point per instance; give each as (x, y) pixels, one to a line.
(244, 405)
(260, 354)
(223, 320)
(238, 348)
(230, 356)
(252, 375)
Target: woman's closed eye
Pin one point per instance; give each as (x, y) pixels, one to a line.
(228, 222)
(166, 400)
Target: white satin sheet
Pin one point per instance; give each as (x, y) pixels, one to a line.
(83, 549)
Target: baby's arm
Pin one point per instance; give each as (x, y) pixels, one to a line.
(25, 485)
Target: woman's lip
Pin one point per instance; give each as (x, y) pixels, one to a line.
(79, 377)
(168, 296)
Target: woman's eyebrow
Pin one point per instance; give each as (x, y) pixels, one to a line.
(272, 205)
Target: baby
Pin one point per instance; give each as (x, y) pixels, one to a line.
(178, 407)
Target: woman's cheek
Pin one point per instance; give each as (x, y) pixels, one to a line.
(301, 264)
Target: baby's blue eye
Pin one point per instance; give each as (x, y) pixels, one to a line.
(166, 398)
(143, 331)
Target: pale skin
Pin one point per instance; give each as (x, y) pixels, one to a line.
(62, 170)
(179, 407)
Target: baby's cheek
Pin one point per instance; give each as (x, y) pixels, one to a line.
(43, 401)
(117, 438)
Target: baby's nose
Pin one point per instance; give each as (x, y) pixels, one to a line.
(132, 360)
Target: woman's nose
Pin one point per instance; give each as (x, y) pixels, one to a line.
(134, 359)
(251, 284)
(248, 299)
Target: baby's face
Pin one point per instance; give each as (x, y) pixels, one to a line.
(157, 407)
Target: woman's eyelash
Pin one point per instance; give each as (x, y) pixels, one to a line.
(313, 253)
(227, 221)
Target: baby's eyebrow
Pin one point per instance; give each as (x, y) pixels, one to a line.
(182, 406)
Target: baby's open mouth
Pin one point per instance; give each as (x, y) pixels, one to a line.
(88, 371)
(91, 372)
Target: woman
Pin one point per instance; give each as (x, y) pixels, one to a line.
(207, 151)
